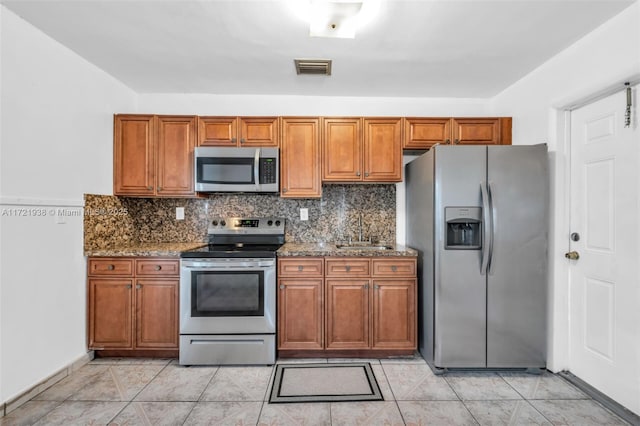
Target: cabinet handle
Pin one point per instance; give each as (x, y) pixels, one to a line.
(284, 190)
(110, 268)
(366, 174)
(159, 188)
(138, 286)
(158, 267)
(348, 268)
(128, 285)
(366, 286)
(357, 173)
(281, 287)
(376, 287)
(394, 268)
(149, 188)
(233, 140)
(300, 268)
(242, 140)
(457, 141)
(447, 142)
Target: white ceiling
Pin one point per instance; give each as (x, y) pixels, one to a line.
(423, 48)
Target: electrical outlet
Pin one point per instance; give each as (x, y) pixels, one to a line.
(304, 214)
(179, 213)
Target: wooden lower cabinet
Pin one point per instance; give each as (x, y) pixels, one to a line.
(137, 310)
(300, 313)
(351, 305)
(394, 314)
(347, 314)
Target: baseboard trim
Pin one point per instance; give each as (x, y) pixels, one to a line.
(15, 403)
(620, 410)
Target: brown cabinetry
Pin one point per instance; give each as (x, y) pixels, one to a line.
(300, 158)
(300, 304)
(238, 131)
(359, 304)
(133, 303)
(357, 149)
(422, 133)
(153, 155)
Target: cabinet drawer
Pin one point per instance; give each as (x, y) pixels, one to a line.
(394, 267)
(158, 267)
(110, 266)
(300, 267)
(340, 267)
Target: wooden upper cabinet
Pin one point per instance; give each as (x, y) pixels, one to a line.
(423, 133)
(476, 131)
(342, 149)
(300, 158)
(238, 131)
(153, 155)
(176, 142)
(134, 152)
(382, 150)
(362, 150)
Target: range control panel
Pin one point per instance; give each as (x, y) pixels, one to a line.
(246, 225)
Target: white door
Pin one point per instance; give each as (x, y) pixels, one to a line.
(604, 281)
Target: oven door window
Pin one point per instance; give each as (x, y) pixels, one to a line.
(225, 170)
(227, 293)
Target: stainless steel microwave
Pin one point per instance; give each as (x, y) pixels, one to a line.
(222, 169)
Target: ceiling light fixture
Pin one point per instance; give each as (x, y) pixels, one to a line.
(335, 18)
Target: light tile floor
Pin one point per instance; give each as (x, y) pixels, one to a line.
(160, 392)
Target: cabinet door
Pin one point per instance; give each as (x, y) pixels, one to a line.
(476, 131)
(342, 149)
(382, 150)
(300, 158)
(134, 155)
(347, 313)
(110, 313)
(217, 131)
(423, 133)
(157, 313)
(300, 309)
(259, 131)
(176, 141)
(394, 314)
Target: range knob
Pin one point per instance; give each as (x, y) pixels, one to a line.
(223, 223)
(277, 223)
(214, 223)
(269, 222)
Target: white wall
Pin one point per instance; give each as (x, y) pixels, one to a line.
(606, 57)
(56, 143)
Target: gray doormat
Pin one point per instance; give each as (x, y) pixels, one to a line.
(352, 381)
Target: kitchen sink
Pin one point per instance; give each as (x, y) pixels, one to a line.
(356, 246)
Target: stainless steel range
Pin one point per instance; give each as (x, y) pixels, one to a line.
(228, 294)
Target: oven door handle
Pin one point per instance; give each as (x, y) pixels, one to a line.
(225, 266)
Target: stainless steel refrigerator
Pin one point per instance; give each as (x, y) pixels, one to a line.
(478, 216)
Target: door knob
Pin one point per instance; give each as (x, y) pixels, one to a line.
(572, 255)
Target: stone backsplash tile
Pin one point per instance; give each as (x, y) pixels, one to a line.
(332, 218)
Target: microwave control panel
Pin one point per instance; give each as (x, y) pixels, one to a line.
(268, 170)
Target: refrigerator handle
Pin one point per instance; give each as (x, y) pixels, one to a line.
(487, 232)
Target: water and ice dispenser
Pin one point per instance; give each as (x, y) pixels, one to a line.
(463, 228)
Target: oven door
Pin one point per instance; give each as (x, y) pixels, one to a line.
(227, 296)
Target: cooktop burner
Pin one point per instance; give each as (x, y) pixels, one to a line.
(242, 237)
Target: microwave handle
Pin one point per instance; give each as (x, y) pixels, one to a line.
(256, 169)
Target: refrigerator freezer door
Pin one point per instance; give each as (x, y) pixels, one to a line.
(517, 275)
(460, 289)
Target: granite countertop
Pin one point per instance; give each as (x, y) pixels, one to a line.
(330, 249)
(146, 249)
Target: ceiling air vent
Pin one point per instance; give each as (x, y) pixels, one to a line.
(313, 66)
